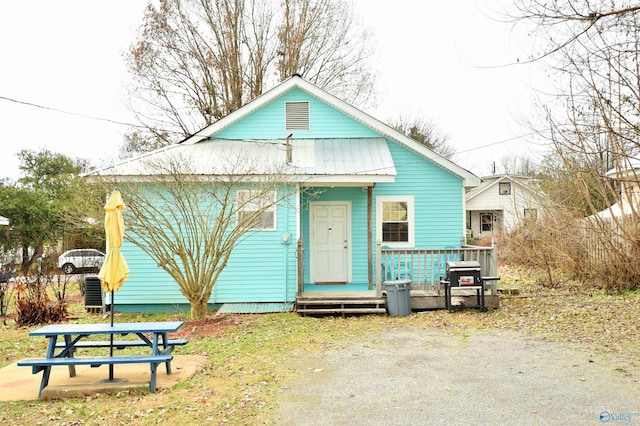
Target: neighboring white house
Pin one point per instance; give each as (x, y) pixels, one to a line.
(500, 203)
(4, 220)
(629, 204)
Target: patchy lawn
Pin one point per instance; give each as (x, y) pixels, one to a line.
(249, 356)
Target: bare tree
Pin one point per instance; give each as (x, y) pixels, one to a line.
(189, 222)
(196, 61)
(592, 120)
(522, 166)
(425, 132)
(560, 26)
(322, 41)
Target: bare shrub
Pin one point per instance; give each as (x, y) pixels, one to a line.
(600, 254)
(545, 244)
(33, 304)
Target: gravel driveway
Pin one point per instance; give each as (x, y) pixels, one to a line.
(418, 377)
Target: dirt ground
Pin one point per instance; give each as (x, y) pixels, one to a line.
(427, 376)
(210, 326)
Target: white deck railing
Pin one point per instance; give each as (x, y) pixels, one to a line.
(427, 267)
(424, 267)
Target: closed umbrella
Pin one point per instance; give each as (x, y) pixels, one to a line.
(114, 270)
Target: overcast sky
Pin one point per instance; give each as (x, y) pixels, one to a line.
(432, 61)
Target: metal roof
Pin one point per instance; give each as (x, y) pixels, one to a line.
(312, 160)
(342, 157)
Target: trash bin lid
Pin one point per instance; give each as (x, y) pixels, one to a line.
(396, 282)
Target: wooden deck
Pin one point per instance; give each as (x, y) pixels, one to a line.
(424, 267)
(366, 302)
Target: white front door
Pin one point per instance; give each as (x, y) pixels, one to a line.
(330, 242)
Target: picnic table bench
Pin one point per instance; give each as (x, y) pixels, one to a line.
(118, 344)
(64, 353)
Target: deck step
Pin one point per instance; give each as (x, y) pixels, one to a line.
(306, 301)
(343, 310)
(310, 305)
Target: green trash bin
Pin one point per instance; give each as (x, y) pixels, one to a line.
(398, 297)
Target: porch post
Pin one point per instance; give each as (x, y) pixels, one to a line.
(370, 235)
(300, 259)
(493, 265)
(378, 268)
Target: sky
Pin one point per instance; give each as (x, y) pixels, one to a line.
(435, 60)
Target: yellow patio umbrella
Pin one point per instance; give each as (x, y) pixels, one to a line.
(114, 270)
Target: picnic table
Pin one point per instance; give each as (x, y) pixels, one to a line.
(74, 336)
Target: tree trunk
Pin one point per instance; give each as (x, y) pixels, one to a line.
(198, 309)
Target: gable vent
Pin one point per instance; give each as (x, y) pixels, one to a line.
(297, 115)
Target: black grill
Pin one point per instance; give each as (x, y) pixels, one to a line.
(464, 274)
(461, 275)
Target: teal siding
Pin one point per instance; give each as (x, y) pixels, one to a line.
(262, 268)
(268, 122)
(438, 198)
(147, 283)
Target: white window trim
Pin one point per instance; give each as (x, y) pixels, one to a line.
(492, 222)
(502, 192)
(272, 208)
(409, 199)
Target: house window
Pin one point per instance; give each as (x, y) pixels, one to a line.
(530, 214)
(296, 115)
(256, 209)
(504, 188)
(486, 222)
(395, 225)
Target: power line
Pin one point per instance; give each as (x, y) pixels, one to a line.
(497, 143)
(108, 120)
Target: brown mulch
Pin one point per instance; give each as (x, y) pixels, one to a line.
(210, 326)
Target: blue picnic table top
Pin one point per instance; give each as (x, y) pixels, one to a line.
(101, 328)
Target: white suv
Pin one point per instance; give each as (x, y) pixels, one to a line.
(72, 261)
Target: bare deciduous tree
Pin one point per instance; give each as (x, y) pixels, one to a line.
(522, 166)
(196, 61)
(322, 41)
(425, 132)
(592, 48)
(560, 26)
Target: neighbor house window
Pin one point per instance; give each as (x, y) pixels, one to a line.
(395, 223)
(296, 115)
(486, 222)
(530, 214)
(504, 188)
(257, 209)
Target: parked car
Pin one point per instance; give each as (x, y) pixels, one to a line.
(80, 260)
(7, 272)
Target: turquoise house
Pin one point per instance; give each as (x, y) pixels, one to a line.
(355, 183)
